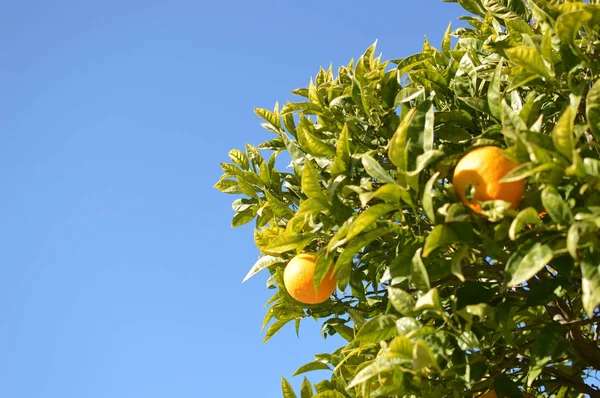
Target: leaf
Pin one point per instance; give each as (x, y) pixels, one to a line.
(531, 263)
(390, 193)
(407, 326)
(342, 154)
(368, 217)
(375, 170)
(228, 186)
(330, 394)
(262, 263)
(310, 143)
(246, 187)
(592, 167)
(403, 302)
(528, 58)
(397, 146)
(562, 134)
(410, 62)
(525, 170)
(311, 366)
(425, 159)
(427, 200)
(592, 108)
(400, 347)
(493, 96)
(567, 24)
(243, 217)
(304, 107)
(408, 94)
(279, 208)
(306, 390)
(478, 104)
(590, 284)
(310, 182)
(378, 366)
(274, 328)
(525, 217)
(380, 328)
(423, 356)
(289, 241)
(440, 236)
(577, 231)
(556, 207)
(295, 152)
(345, 259)
(473, 6)
(286, 387)
(238, 157)
(507, 388)
(268, 116)
(430, 300)
(543, 350)
(419, 275)
(446, 41)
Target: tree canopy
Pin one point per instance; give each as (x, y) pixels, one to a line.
(435, 299)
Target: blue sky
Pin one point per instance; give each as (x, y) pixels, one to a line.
(119, 273)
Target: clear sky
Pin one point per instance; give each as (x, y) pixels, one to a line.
(120, 275)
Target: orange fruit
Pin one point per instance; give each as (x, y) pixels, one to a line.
(298, 279)
(483, 168)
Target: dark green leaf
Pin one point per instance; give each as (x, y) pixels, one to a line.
(286, 387)
(274, 328)
(289, 241)
(592, 106)
(427, 201)
(525, 217)
(590, 283)
(306, 390)
(543, 350)
(493, 96)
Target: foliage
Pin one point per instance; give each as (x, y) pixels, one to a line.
(435, 300)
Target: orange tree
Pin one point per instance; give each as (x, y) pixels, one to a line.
(481, 287)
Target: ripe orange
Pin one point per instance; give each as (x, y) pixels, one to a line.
(298, 280)
(484, 167)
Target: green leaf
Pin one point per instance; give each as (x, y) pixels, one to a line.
(403, 302)
(430, 300)
(440, 236)
(368, 217)
(274, 328)
(528, 58)
(311, 366)
(375, 170)
(279, 208)
(577, 232)
(592, 167)
(525, 170)
(567, 24)
(238, 157)
(307, 108)
(556, 207)
(310, 143)
(562, 134)
(408, 94)
(310, 182)
(378, 366)
(410, 62)
(400, 347)
(525, 217)
(306, 390)
(228, 186)
(246, 187)
(493, 96)
(407, 326)
(330, 394)
(423, 356)
(426, 159)
(446, 41)
(419, 275)
(243, 217)
(342, 154)
(507, 388)
(427, 201)
(592, 108)
(478, 104)
(397, 146)
(390, 193)
(262, 263)
(544, 347)
(286, 387)
(590, 283)
(530, 264)
(289, 241)
(345, 259)
(473, 6)
(380, 328)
